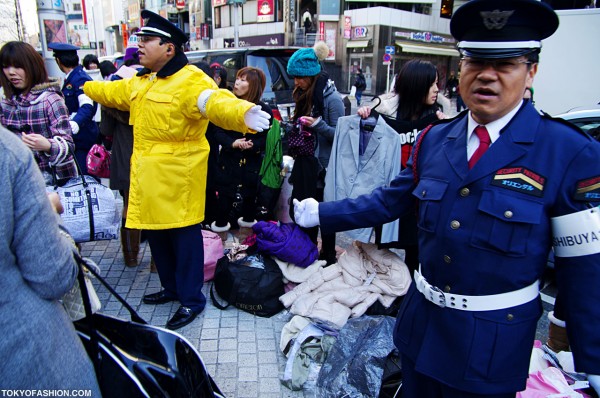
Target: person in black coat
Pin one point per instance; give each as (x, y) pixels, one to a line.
(211, 208)
(240, 157)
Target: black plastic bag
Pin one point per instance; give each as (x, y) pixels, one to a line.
(248, 286)
(354, 366)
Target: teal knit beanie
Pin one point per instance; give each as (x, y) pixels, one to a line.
(306, 61)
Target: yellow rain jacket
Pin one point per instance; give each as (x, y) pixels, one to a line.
(170, 150)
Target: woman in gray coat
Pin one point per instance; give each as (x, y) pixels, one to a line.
(318, 107)
(39, 347)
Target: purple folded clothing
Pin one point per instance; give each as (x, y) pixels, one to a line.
(287, 242)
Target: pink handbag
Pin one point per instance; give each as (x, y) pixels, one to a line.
(98, 161)
(213, 251)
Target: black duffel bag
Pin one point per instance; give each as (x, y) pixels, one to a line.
(252, 284)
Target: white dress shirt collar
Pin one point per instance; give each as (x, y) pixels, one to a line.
(493, 129)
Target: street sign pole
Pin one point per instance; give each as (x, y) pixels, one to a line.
(236, 23)
(388, 78)
(387, 60)
(236, 26)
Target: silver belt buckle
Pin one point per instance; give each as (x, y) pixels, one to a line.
(436, 296)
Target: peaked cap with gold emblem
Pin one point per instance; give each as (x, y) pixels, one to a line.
(502, 28)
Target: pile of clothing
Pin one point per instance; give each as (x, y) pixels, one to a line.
(362, 276)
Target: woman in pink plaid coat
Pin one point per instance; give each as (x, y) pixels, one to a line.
(33, 107)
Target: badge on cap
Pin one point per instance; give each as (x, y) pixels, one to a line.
(502, 28)
(495, 19)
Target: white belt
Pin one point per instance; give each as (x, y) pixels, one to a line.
(476, 303)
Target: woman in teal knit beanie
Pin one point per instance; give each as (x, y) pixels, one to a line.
(318, 107)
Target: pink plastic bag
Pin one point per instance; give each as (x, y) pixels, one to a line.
(213, 251)
(549, 382)
(98, 161)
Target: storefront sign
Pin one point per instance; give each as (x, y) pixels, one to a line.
(180, 4)
(330, 34)
(55, 31)
(205, 27)
(347, 27)
(125, 35)
(79, 35)
(265, 11)
(426, 37)
(360, 31)
(265, 40)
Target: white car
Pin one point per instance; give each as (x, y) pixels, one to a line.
(586, 118)
(116, 59)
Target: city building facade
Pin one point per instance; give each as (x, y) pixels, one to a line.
(96, 26)
(376, 36)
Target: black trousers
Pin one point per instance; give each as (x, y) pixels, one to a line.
(179, 257)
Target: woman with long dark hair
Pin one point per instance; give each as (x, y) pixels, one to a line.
(408, 109)
(34, 108)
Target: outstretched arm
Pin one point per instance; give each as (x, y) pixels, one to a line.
(227, 111)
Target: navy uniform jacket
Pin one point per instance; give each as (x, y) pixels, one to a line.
(84, 115)
(487, 231)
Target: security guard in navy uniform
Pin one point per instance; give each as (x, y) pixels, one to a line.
(495, 188)
(81, 107)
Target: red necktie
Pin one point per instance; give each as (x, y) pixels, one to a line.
(484, 144)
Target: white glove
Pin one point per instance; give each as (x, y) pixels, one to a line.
(306, 213)
(594, 382)
(256, 119)
(74, 127)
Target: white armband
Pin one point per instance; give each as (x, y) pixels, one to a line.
(203, 100)
(576, 234)
(84, 100)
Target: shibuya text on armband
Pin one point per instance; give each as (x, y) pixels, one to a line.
(576, 234)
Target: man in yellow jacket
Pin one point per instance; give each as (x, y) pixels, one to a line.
(170, 105)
